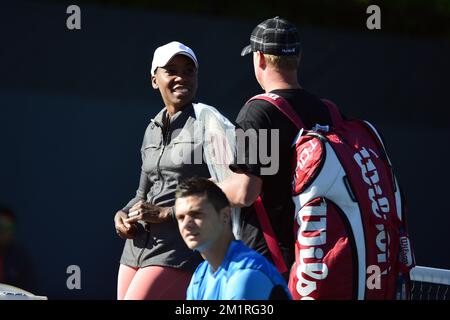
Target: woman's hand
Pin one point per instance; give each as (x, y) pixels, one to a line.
(124, 229)
(144, 211)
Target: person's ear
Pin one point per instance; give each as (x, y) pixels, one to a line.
(154, 83)
(226, 215)
(261, 60)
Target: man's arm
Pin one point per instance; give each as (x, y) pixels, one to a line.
(241, 189)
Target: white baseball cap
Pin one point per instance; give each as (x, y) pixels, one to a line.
(166, 52)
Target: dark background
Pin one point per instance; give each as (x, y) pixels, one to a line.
(74, 106)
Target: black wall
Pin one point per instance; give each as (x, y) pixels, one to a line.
(74, 106)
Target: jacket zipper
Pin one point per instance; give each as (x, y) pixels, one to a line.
(165, 142)
(165, 137)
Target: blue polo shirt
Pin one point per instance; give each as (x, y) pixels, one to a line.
(243, 275)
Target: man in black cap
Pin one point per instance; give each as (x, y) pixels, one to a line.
(275, 46)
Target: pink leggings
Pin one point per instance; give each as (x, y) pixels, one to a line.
(152, 283)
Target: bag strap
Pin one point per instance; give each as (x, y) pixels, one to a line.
(282, 105)
(336, 116)
(269, 236)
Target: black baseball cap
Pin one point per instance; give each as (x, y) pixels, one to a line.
(274, 36)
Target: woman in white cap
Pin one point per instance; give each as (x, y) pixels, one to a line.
(156, 263)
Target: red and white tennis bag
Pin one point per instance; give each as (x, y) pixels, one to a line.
(350, 228)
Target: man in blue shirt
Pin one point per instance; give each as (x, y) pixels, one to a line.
(232, 271)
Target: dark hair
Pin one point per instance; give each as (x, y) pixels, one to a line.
(206, 187)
